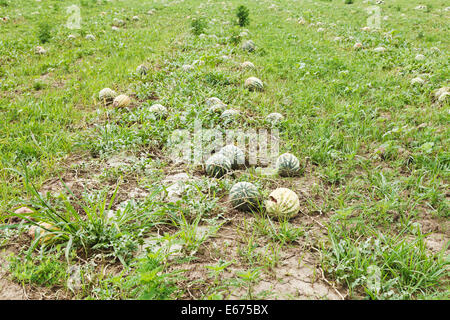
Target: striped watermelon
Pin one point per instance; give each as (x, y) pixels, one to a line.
(244, 196)
(218, 165)
(287, 165)
(283, 203)
(229, 115)
(159, 110)
(218, 107)
(212, 101)
(107, 95)
(235, 154)
(121, 101)
(254, 84)
(247, 65)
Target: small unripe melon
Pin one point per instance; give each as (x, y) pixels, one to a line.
(287, 165)
(235, 154)
(244, 196)
(218, 165)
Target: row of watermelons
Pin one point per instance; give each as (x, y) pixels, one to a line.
(282, 203)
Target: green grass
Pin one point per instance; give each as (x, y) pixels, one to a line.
(406, 270)
(373, 148)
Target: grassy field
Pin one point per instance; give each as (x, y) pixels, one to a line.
(367, 125)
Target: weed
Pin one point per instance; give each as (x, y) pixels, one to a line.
(95, 228)
(44, 32)
(405, 269)
(243, 13)
(198, 25)
(42, 270)
(151, 282)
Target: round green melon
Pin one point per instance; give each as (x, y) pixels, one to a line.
(283, 203)
(107, 95)
(218, 107)
(287, 165)
(218, 165)
(235, 154)
(254, 84)
(158, 110)
(229, 115)
(213, 101)
(247, 65)
(244, 196)
(121, 101)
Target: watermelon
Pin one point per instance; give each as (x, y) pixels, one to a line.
(218, 165)
(159, 110)
(287, 165)
(283, 203)
(229, 115)
(213, 101)
(254, 84)
(244, 196)
(218, 107)
(107, 95)
(247, 65)
(235, 154)
(121, 101)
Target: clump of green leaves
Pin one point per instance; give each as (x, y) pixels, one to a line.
(151, 281)
(42, 270)
(235, 37)
(44, 32)
(243, 16)
(38, 85)
(198, 26)
(348, 1)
